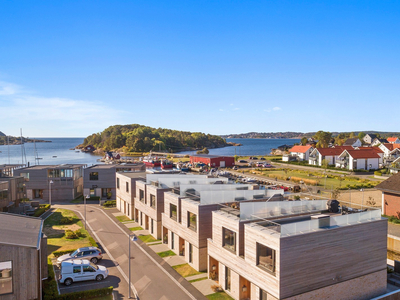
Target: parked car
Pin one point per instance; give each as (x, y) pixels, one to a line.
(260, 164)
(91, 253)
(267, 165)
(235, 167)
(81, 270)
(243, 161)
(253, 157)
(262, 158)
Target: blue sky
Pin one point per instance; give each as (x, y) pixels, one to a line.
(72, 68)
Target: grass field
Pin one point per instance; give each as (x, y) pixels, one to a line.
(147, 238)
(55, 232)
(166, 253)
(219, 296)
(123, 218)
(185, 270)
(135, 228)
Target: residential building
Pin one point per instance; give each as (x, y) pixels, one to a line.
(12, 190)
(186, 220)
(8, 169)
(330, 154)
(377, 142)
(354, 142)
(126, 191)
(65, 182)
(390, 152)
(360, 159)
(298, 153)
(393, 140)
(214, 161)
(298, 250)
(369, 138)
(390, 195)
(100, 180)
(23, 259)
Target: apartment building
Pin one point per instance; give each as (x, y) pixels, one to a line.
(100, 180)
(65, 182)
(12, 190)
(187, 217)
(126, 190)
(298, 250)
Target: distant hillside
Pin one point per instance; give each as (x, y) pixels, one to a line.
(140, 138)
(298, 135)
(2, 134)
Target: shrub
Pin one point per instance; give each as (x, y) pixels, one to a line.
(67, 220)
(69, 234)
(110, 203)
(78, 233)
(49, 285)
(94, 198)
(377, 173)
(39, 212)
(93, 242)
(62, 252)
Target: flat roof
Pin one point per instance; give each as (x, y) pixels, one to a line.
(115, 166)
(11, 165)
(209, 156)
(133, 174)
(20, 230)
(44, 167)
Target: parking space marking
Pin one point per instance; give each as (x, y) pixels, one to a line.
(80, 284)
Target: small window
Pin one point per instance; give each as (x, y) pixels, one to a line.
(79, 254)
(265, 296)
(141, 195)
(117, 183)
(152, 201)
(127, 187)
(173, 213)
(172, 240)
(94, 176)
(190, 253)
(266, 258)
(229, 241)
(192, 221)
(76, 269)
(6, 277)
(227, 279)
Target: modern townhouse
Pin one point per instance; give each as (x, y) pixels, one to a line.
(298, 250)
(187, 217)
(8, 169)
(23, 257)
(100, 180)
(12, 190)
(58, 182)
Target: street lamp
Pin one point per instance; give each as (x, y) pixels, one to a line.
(132, 237)
(86, 198)
(50, 183)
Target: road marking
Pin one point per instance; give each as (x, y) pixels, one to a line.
(152, 259)
(79, 284)
(112, 258)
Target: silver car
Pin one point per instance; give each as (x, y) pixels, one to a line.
(91, 253)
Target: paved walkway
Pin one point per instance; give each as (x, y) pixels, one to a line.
(152, 278)
(394, 229)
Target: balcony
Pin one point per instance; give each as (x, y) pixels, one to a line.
(313, 158)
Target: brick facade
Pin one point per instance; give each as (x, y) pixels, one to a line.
(392, 204)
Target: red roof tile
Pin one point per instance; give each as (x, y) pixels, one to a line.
(300, 149)
(367, 153)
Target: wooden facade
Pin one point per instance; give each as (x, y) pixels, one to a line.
(125, 197)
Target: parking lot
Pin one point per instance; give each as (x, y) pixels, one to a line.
(112, 279)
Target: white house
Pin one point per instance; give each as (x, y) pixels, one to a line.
(330, 154)
(377, 142)
(393, 140)
(299, 152)
(362, 159)
(369, 138)
(354, 142)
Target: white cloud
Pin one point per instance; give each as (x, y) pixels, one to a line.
(47, 116)
(276, 108)
(236, 108)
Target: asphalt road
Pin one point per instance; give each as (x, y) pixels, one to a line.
(151, 280)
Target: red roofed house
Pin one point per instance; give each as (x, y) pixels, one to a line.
(361, 159)
(393, 140)
(391, 152)
(330, 154)
(299, 153)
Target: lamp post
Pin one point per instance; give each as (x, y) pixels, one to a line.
(86, 198)
(50, 183)
(362, 201)
(132, 237)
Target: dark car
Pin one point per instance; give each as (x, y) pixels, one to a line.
(253, 157)
(262, 158)
(243, 161)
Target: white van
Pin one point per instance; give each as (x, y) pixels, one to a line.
(81, 270)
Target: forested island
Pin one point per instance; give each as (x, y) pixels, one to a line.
(12, 140)
(140, 138)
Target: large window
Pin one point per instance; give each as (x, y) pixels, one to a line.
(57, 173)
(6, 277)
(266, 258)
(192, 221)
(190, 253)
(229, 241)
(152, 201)
(25, 175)
(141, 195)
(94, 176)
(227, 279)
(127, 187)
(265, 296)
(4, 195)
(173, 213)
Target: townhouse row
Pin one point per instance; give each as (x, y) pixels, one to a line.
(254, 243)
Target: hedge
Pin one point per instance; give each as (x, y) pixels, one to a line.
(41, 210)
(62, 252)
(86, 294)
(50, 285)
(110, 203)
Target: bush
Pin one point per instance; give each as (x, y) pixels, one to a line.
(62, 252)
(69, 234)
(41, 210)
(67, 220)
(78, 233)
(377, 173)
(50, 285)
(86, 294)
(93, 242)
(110, 203)
(94, 198)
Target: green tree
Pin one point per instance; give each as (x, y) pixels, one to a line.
(325, 164)
(361, 135)
(304, 140)
(324, 138)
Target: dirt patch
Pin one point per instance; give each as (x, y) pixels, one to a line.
(53, 231)
(372, 197)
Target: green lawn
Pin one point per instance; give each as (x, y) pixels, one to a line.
(198, 279)
(55, 232)
(219, 296)
(147, 238)
(135, 228)
(166, 253)
(185, 270)
(123, 218)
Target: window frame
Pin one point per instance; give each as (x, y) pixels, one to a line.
(12, 278)
(189, 223)
(94, 176)
(224, 244)
(170, 212)
(271, 270)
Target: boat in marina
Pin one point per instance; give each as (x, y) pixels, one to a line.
(151, 162)
(166, 164)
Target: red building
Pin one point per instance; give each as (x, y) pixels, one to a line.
(213, 161)
(390, 195)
